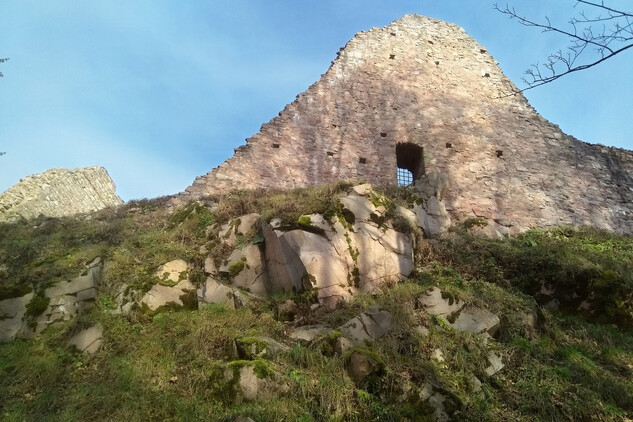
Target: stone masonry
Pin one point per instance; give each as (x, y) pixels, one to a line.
(421, 94)
(58, 193)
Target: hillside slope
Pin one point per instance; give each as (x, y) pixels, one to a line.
(534, 327)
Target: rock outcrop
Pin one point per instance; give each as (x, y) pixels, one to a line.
(359, 251)
(29, 315)
(59, 193)
(423, 96)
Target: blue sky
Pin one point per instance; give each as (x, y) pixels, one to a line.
(159, 92)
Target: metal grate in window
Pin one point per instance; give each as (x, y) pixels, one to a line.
(405, 177)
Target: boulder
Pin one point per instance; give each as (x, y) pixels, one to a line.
(89, 340)
(435, 302)
(432, 225)
(431, 214)
(476, 320)
(160, 295)
(213, 291)
(308, 333)
(342, 262)
(368, 326)
(66, 300)
(495, 364)
(12, 312)
(342, 345)
(172, 272)
(364, 190)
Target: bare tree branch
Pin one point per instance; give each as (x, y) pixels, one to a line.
(1, 75)
(607, 33)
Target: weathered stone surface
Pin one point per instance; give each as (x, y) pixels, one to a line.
(237, 227)
(342, 260)
(172, 271)
(496, 364)
(476, 320)
(209, 266)
(286, 272)
(384, 256)
(322, 261)
(309, 333)
(246, 270)
(370, 325)
(419, 81)
(160, 295)
(11, 313)
(89, 340)
(69, 298)
(59, 193)
(361, 207)
(214, 291)
(434, 302)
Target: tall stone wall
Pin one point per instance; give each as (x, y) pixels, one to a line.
(58, 193)
(426, 82)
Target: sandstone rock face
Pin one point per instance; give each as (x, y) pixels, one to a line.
(246, 270)
(365, 254)
(66, 300)
(425, 86)
(59, 193)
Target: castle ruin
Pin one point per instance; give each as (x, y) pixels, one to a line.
(422, 96)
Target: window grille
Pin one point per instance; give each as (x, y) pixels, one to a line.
(405, 177)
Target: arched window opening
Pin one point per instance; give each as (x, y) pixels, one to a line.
(410, 163)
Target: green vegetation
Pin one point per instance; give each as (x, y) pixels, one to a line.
(37, 306)
(563, 365)
(135, 239)
(578, 264)
(237, 267)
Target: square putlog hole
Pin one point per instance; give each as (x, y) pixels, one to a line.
(275, 145)
(362, 160)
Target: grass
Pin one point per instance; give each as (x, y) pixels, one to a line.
(171, 365)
